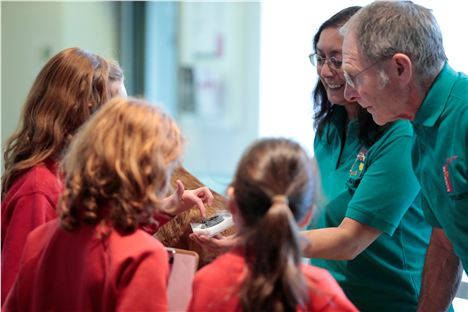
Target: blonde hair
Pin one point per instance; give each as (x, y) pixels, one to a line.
(68, 89)
(119, 165)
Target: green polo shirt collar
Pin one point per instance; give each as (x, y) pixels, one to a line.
(435, 100)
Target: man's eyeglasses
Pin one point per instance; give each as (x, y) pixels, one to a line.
(351, 79)
(333, 62)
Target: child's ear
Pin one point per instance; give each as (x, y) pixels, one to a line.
(231, 201)
(233, 207)
(306, 220)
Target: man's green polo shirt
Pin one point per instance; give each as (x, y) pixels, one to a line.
(440, 157)
(377, 187)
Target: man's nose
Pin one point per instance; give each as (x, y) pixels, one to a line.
(350, 93)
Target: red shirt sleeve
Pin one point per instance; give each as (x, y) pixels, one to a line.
(29, 212)
(329, 297)
(160, 219)
(142, 285)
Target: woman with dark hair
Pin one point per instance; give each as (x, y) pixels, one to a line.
(326, 95)
(272, 193)
(370, 227)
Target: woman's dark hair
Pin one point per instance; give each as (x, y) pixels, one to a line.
(369, 131)
(273, 189)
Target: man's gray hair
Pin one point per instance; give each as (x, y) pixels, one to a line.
(384, 28)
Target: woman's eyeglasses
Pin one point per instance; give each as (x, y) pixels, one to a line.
(318, 61)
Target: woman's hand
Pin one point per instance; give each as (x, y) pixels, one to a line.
(217, 243)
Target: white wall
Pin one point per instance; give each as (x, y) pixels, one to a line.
(92, 26)
(219, 131)
(29, 33)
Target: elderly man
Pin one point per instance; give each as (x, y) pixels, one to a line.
(395, 67)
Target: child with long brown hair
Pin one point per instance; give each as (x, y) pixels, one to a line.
(96, 257)
(271, 194)
(69, 88)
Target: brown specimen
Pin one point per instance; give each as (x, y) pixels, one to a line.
(176, 232)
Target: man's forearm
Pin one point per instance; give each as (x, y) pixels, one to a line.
(441, 276)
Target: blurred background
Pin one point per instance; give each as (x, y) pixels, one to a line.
(228, 72)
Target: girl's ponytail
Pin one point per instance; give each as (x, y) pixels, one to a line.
(274, 281)
(273, 190)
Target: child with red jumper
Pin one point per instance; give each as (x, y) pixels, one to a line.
(271, 193)
(68, 89)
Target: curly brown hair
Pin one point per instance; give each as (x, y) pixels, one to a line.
(68, 89)
(119, 165)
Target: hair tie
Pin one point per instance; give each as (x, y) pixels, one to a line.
(280, 199)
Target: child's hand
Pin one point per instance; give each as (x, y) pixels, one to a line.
(183, 200)
(217, 243)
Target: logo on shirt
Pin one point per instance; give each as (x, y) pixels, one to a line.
(358, 165)
(448, 183)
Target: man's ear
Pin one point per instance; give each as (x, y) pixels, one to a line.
(403, 68)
